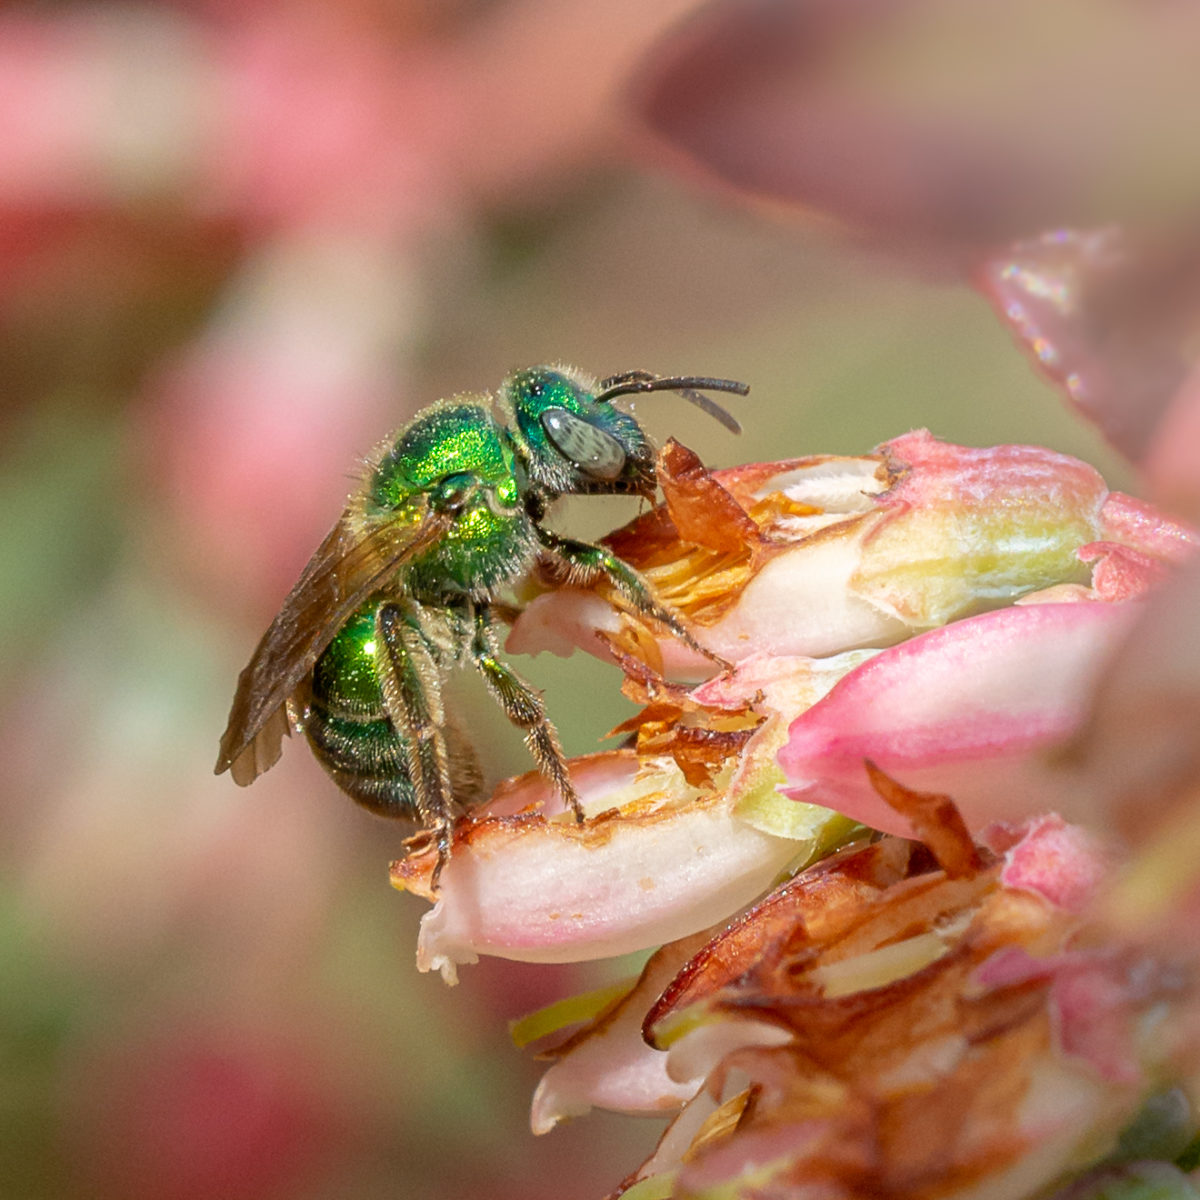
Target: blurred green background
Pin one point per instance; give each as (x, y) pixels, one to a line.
(238, 244)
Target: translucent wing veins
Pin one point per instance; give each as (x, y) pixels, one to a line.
(341, 576)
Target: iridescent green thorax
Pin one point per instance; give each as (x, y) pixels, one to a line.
(483, 552)
(541, 399)
(453, 438)
(458, 460)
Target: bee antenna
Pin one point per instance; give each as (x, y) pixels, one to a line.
(690, 387)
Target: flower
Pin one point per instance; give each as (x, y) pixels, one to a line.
(984, 659)
(893, 1022)
(942, 1007)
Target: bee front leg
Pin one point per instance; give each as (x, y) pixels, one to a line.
(587, 562)
(523, 707)
(412, 697)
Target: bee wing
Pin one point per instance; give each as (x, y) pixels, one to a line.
(341, 576)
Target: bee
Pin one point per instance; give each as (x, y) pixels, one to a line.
(448, 516)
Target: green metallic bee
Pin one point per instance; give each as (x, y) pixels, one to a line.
(448, 515)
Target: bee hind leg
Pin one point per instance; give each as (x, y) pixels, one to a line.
(412, 696)
(524, 708)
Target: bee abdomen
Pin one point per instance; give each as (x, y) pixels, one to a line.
(366, 758)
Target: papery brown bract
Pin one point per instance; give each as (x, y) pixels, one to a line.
(910, 1065)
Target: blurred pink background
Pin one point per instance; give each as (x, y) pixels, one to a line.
(239, 242)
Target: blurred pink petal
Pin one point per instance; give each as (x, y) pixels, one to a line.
(1148, 529)
(1105, 317)
(1094, 1002)
(266, 120)
(292, 380)
(943, 125)
(188, 1112)
(1138, 750)
(513, 142)
(1093, 998)
(1170, 463)
(969, 710)
(1060, 862)
(322, 121)
(287, 117)
(98, 106)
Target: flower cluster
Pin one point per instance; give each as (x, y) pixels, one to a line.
(870, 852)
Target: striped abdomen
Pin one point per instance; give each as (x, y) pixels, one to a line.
(348, 729)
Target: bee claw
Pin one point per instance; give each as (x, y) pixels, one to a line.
(566, 789)
(444, 831)
(685, 636)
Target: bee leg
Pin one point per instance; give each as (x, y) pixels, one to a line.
(587, 562)
(524, 708)
(412, 697)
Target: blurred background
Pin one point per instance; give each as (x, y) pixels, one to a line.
(240, 241)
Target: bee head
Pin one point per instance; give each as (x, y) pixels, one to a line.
(575, 441)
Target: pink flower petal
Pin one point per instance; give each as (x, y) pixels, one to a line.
(1091, 1005)
(1092, 997)
(940, 126)
(1139, 748)
(968, 527)
(551, 891)
(1120, 573)
(1060, 862)
(1170, 462)
(963, 710)
(802, 602)
(609, 1064)
(1136, 523)
(777, 683)
(1100, 316)
(563, 621)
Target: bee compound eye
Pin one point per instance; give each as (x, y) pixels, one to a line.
(593, 451)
